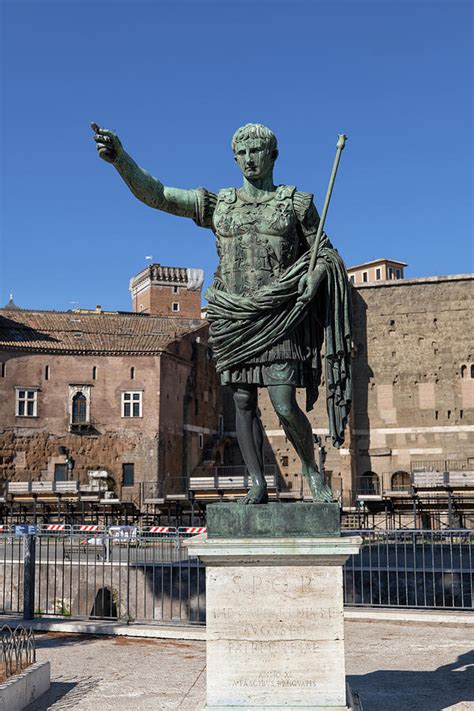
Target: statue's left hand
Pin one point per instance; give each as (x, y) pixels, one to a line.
(309, 283)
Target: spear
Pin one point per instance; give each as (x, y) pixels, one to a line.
(340, 147)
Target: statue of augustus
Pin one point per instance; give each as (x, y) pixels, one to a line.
(268, 313)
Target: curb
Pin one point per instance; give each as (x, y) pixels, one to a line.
(20, 690)
(197, 633)
(423, 617)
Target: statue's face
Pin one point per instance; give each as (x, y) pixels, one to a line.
(254, 157)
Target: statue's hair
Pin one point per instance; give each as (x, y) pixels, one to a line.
(254, 130)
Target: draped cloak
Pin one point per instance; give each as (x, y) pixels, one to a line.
(242, 327)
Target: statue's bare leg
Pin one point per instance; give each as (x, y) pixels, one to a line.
(250, 437)
(298, 430)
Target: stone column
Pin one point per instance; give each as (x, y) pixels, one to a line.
(274, 602)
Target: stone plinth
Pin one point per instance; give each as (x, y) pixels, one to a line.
(275, 635)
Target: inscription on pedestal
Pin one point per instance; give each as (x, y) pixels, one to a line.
(275, 635)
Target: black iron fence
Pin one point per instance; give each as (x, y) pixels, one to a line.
(410, 568)
(17, 650)
(148, 576)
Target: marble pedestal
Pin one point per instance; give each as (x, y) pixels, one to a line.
(275, 632)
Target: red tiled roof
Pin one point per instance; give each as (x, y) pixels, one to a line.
(91, 333)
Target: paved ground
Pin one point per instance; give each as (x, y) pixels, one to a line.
(393, 666)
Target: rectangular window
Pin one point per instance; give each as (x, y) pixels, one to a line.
(26, 402)
(352, 279)
(175, 289)
(175, 306)
(365, 277)
(132, 404)
(398, 273)
(201, 440)
(390, 273)
(60, 472)
(221, 424)
(2, 369)
(128, 474)
(284, 461)
(378, 274)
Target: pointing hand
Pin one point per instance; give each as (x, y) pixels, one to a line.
(108, 143)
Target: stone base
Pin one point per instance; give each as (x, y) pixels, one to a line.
(274, 520)
(275, 625)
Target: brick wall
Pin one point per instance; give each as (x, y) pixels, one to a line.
(159, 299)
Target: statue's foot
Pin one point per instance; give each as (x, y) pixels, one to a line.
(320, 491)
(257, 495)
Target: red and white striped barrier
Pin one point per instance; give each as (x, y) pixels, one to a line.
(89, 527)
(161, 529)
(56, 527)
(193, 529)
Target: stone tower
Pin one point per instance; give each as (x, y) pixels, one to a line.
(167, 291)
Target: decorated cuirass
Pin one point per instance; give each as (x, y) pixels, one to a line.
(256, 239)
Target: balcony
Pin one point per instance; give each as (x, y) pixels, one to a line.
(82, 427)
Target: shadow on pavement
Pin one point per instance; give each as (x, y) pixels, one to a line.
(45, 640)
(395, 690)
(68, 693)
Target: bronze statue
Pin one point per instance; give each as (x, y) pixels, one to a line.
(269, 312)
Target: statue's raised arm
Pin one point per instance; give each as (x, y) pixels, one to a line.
(143, 185)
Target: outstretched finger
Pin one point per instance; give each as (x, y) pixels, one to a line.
(104, 132)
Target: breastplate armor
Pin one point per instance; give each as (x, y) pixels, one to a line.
(256, 239)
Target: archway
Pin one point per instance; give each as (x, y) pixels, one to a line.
(369, 483)
(104, 604)
(400, 481)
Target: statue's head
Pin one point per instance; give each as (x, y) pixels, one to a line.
(255, 150)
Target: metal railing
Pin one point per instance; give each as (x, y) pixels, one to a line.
(17, 649)
(148, 576)
(412, 568)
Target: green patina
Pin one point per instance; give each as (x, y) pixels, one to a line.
(273, 520)
(269, 312)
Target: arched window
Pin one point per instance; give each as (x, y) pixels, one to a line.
(463, 371)
(369, 483)
(400, 481)
(79, 408)
(472, 370)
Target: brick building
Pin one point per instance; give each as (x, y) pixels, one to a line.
(135, 395)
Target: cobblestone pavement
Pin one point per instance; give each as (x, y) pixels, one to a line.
(393, 666)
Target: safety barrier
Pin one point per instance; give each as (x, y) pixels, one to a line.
(65, 529)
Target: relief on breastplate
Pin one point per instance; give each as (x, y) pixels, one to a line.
(256, 241)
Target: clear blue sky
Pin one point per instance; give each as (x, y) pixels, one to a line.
(175, 79)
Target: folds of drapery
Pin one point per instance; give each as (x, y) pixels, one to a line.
(241, 327)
